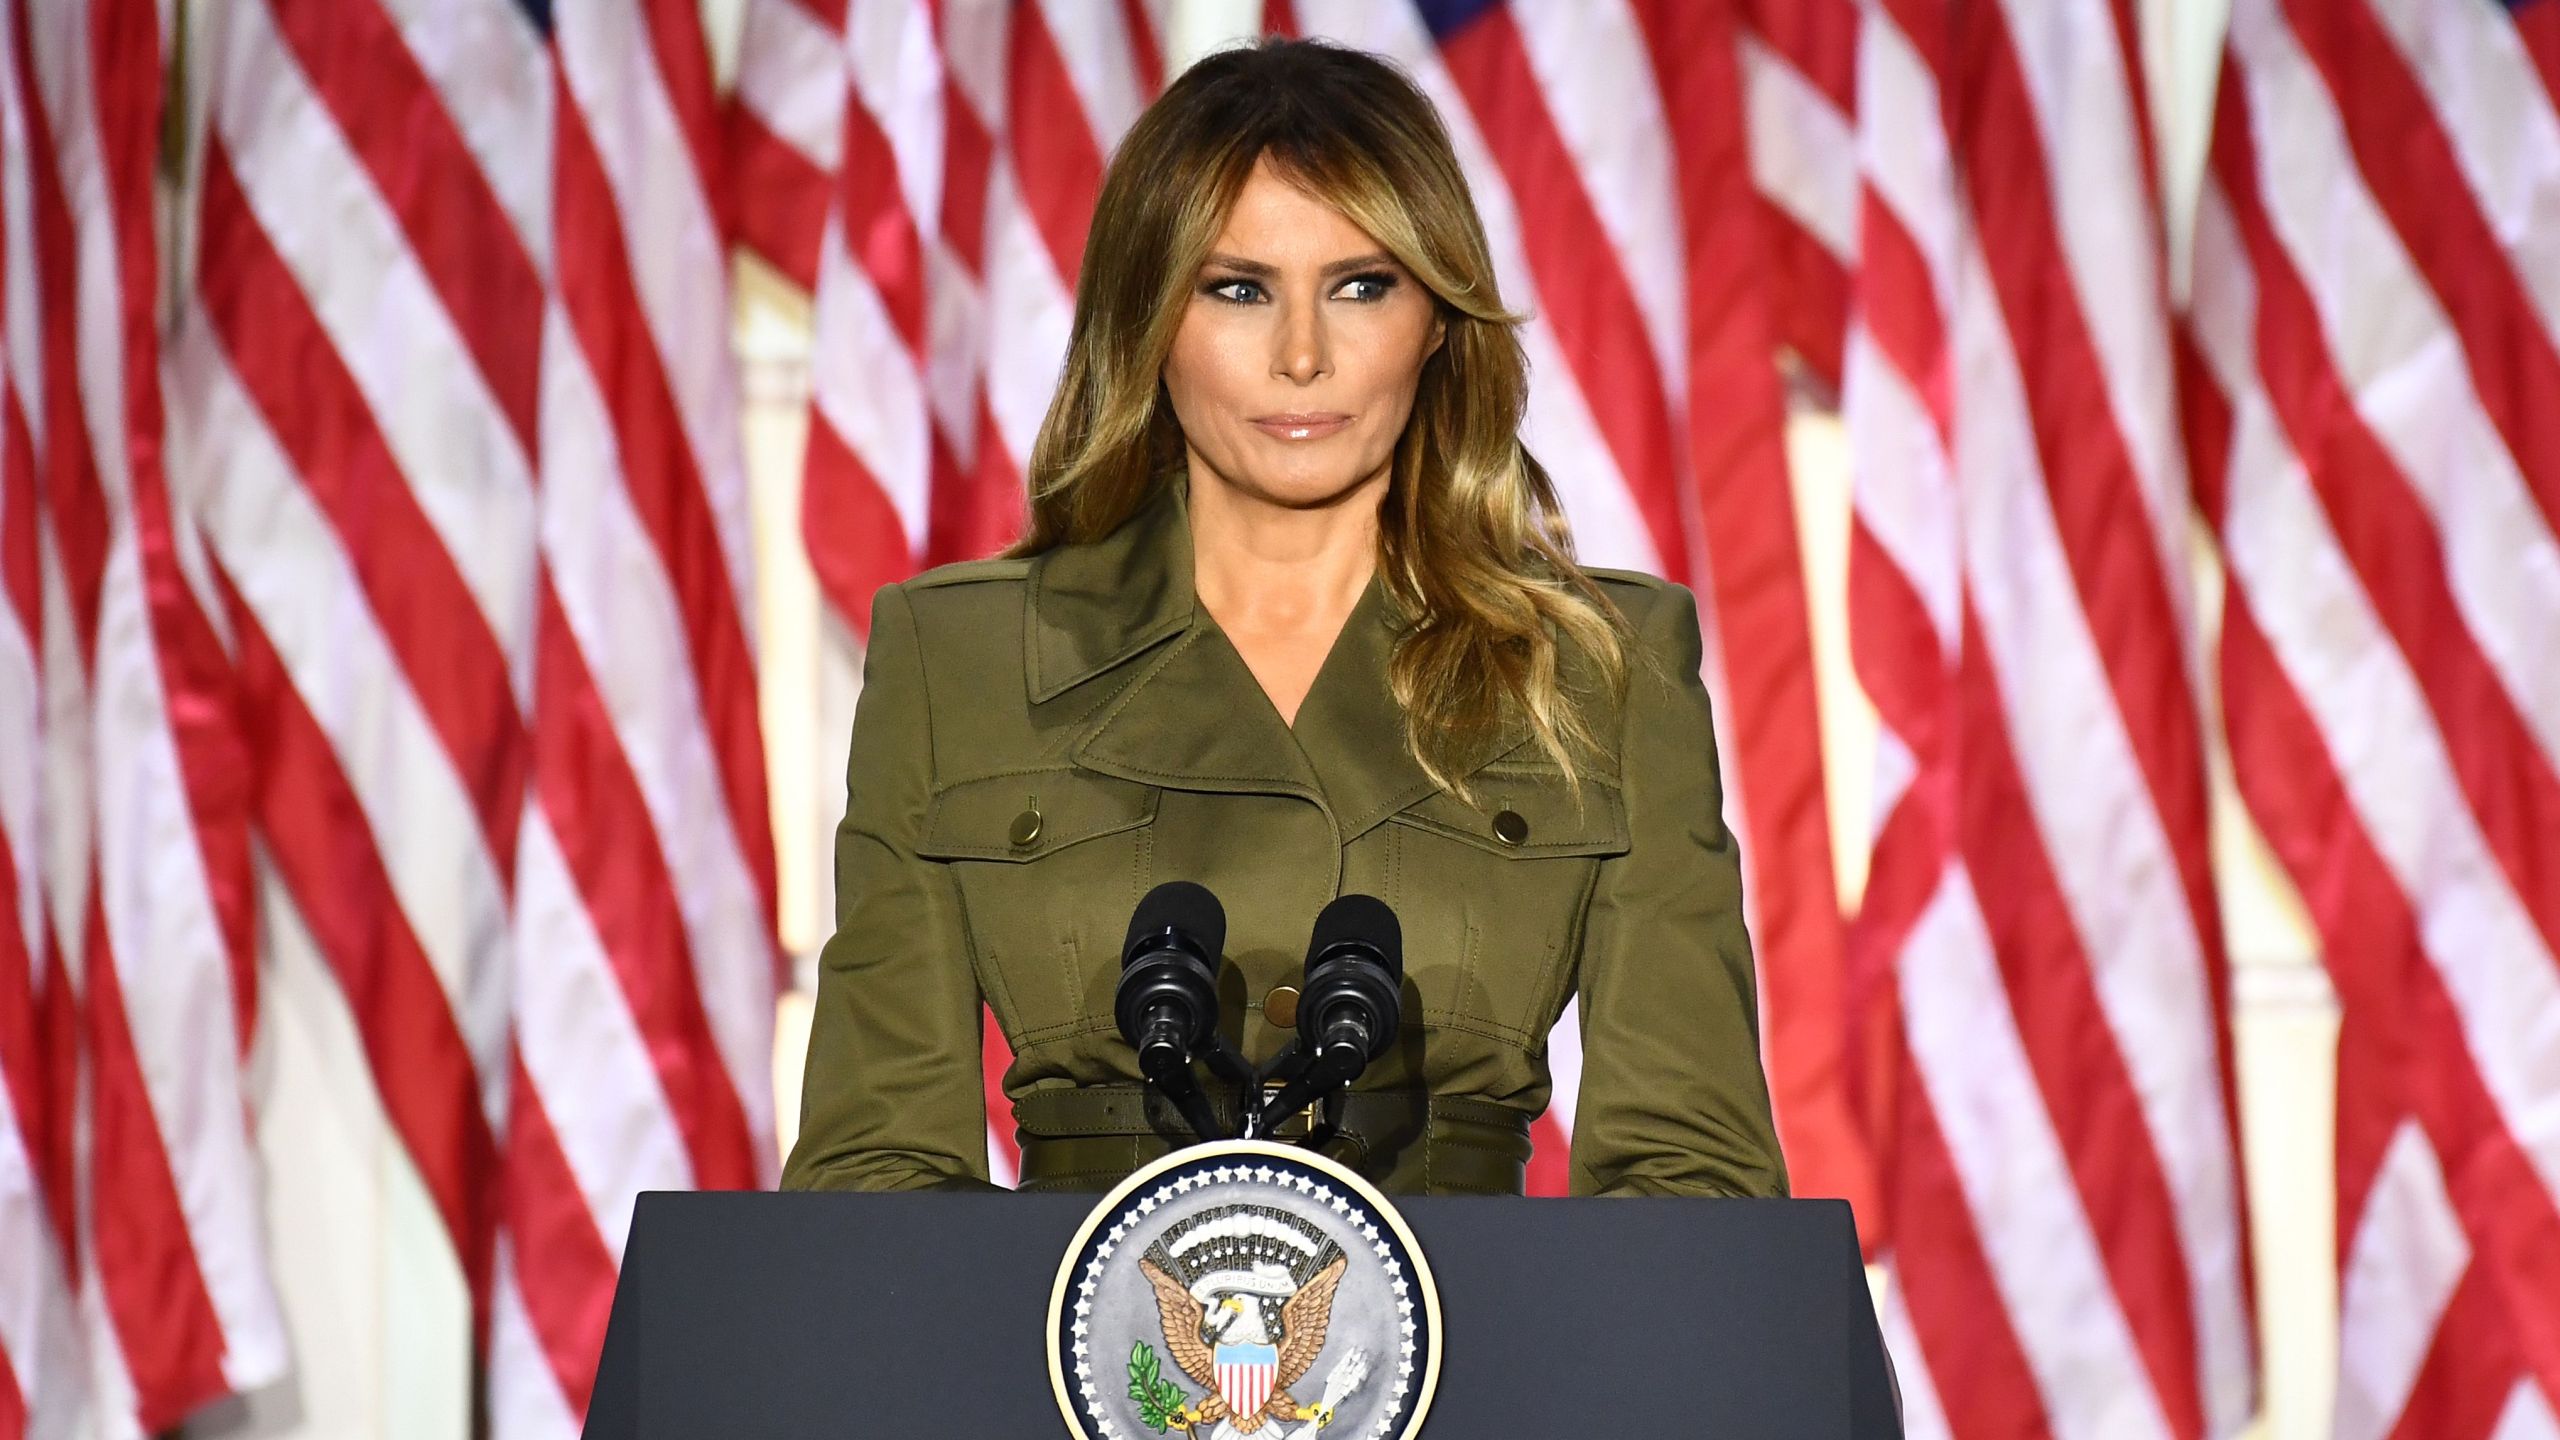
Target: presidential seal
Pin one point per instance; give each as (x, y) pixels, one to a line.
(1243, 1289)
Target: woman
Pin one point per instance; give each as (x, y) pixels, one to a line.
(1296, 616)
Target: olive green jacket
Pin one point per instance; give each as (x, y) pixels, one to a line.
(1039, 742)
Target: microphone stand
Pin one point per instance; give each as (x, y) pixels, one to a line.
(1173, 1079)
(1305, 1077)
(1176, 1083)
(1228, 1063)
(1308, 1077)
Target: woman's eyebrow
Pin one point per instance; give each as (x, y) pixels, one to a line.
(1260, 270)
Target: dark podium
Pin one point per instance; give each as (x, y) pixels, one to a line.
(922, 1315)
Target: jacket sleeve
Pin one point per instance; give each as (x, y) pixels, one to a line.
(1672, 1098)
(891, 1098)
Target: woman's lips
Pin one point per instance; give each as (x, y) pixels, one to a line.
(1301, 427)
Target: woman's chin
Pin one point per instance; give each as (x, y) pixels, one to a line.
(1295, 488)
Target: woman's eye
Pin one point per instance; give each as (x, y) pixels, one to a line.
(1360, 289)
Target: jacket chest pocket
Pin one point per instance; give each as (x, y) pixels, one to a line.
(1049, 864)
(1492, 896)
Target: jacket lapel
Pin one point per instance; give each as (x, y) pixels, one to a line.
(1196, 719)
(1350, 727)
(1094, 606)
(1193, 717)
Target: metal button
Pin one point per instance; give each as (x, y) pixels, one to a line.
(1280, 1007)
(1026, 827)
(1509, 828)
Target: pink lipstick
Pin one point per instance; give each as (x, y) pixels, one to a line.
(1309, 426)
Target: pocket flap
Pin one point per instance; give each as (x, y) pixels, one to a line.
(1547, 817)
(1023, 817)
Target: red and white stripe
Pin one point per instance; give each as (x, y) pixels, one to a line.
(1610, 151)
(2061, 1181)
(1246, 1384)
(645, 960)
(2376, 344)
(127, 967)
(351, 401)
(1799, 87)
(453, 393)
(928, 172)
(43, 1385)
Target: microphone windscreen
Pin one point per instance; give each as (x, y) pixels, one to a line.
(1179, 905)
(1365, 919)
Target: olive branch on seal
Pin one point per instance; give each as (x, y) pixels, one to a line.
(1157, 1398)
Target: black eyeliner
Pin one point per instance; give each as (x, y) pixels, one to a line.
(1385, 280)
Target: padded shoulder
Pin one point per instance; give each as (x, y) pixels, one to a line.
(1641, 596)
(1631, 588)
(968, 616)
(971, 572)
(969, 626)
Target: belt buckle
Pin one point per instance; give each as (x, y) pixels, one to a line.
(1304, 1120)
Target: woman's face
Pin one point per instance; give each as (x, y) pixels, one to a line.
(1297, 359)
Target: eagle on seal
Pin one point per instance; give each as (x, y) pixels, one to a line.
(1193, 1328)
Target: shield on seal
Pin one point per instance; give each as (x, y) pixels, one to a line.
(1245, 1374)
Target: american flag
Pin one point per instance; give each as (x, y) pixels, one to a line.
(449, 394)
(2063, 1226)
(2376, 422)
(135, 1284)
(938, 340)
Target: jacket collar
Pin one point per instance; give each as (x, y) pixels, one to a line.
(1094, 606)
(1193, 717)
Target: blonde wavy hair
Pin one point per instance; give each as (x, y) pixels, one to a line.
(1473, 544)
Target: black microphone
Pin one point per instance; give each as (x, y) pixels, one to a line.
(1167, 1003)
(1350, 1003)
(1355, 980)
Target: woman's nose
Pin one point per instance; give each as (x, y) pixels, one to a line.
(1301, 354)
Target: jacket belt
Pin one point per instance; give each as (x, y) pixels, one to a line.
(1090, 1137)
